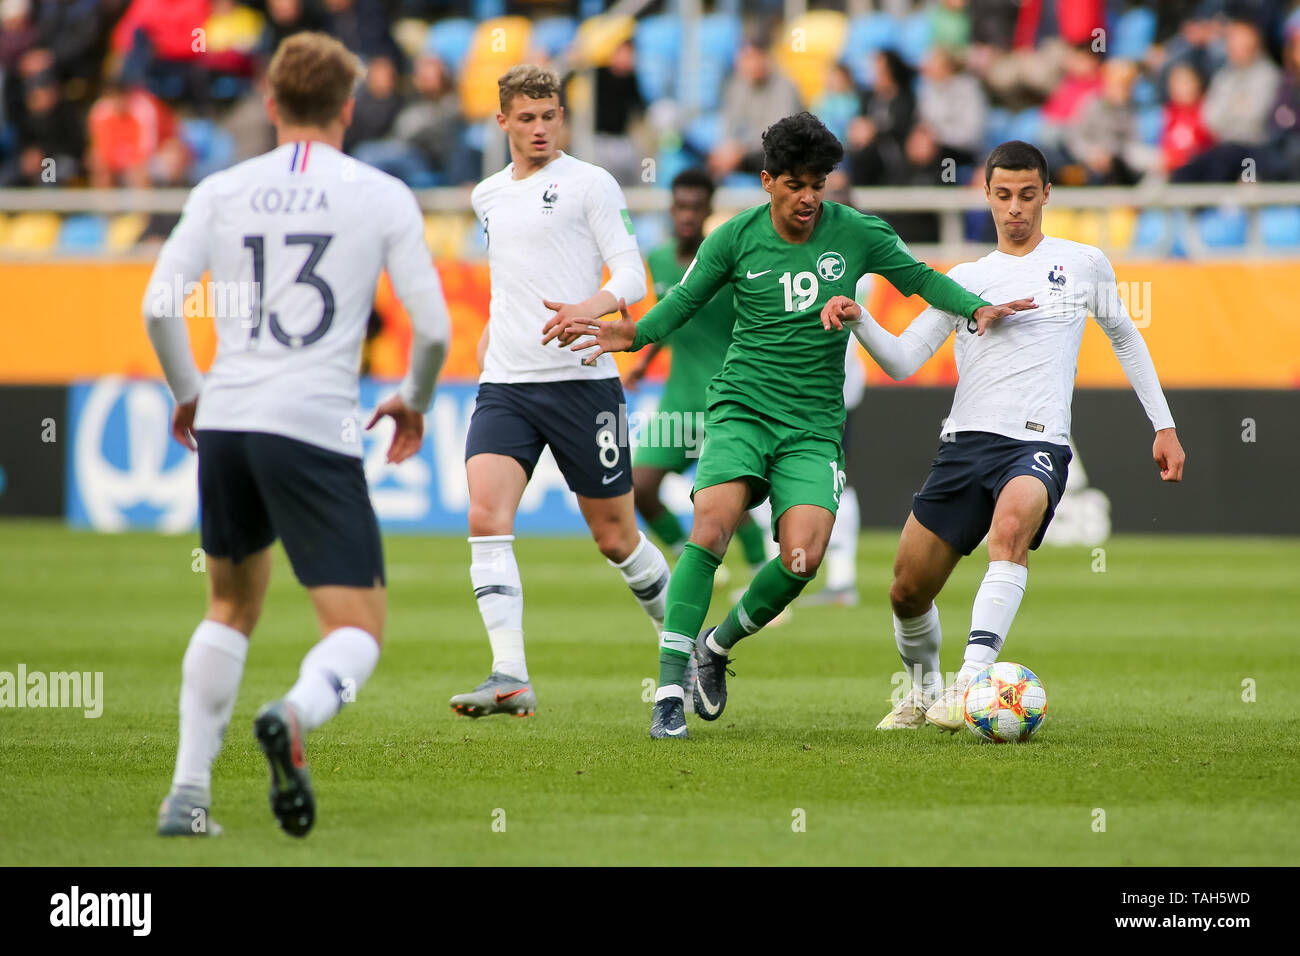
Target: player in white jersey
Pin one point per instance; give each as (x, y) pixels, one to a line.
(306, 230)
(552, 222)
(1002, 462)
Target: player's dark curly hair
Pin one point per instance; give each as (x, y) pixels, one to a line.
(800, 144)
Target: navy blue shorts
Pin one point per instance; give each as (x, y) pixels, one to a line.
(582, 421)
(255, 487)
(956, 502)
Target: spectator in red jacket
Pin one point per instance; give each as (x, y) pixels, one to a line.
(1185, 135)
(128, 128)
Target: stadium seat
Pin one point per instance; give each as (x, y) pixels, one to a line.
(703, 133)
(867, 34)
(1026, 125)
(1222, 228)
(1145, 93)
(449, 40)
(444, 232)
(497, 45)
(808, 46)
(33, 232)
(651, 230)
(489, 9)
(4, 229)
(1150, 123)
(124, 231)
(997, 126)
(1279, 226)
(1134, 32)
(915, 36)
(83, 234)
(212, 147)
(552, 35)
(720, 36)
(658, 41)
(410, 34)
(668, 163)
(598, 37)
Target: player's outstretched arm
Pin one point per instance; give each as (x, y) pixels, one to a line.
(900, 356)
(617, 335)
(986, 315)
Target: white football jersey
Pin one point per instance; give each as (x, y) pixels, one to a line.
(294, 241)
(1017, 379)
(548, 237)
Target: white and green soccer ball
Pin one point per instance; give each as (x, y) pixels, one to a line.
(1005, 703)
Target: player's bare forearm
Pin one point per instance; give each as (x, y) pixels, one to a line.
(1168, 454)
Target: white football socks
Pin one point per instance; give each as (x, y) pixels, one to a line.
(211, 670)
(332, 673)
(995, 608)
(842, 549)
(646, 572)
(918, 640)
(495, 575)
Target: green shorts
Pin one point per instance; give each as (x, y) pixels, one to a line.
(670, 438)
(791, 465)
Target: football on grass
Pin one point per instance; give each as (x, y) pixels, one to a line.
(1005, 703)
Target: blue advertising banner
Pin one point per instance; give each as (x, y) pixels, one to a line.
(125, 471)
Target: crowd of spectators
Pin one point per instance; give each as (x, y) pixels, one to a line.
(133, 92)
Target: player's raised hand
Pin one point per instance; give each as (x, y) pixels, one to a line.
(183, 424)
(838, 310)
(616, 335)
(409, 433)
(986, 315)
(1168, 454)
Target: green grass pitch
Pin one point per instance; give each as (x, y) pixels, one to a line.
(1146, 666)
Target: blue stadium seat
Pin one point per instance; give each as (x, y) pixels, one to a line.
(212, 146)
(1150, 122)
(997, 127)
(867, 34)
(1145, 92)
(489, 9)
(1222, 228)
(658, 42)
(1155, 228)
(720, 36)
(669, 163)
(651, 230)
(83, 234)
(450, 41)
(1279, 226)
(915, 37)
(1134, 32)
(552, 35)
(703, 133)
(1026, 125)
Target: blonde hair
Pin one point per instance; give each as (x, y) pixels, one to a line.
(311, 76)
(527, 79)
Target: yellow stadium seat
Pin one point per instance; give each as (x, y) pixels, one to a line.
(124, 231)
(4, 229)
(599, 36)
(409, 34)
(497, 45)
(1062, 223)
(445, 233)
(1121, 224)
(33, 232)
(807, 48)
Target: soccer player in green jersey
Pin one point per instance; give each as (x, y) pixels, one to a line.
(698, 348)
(776, 410)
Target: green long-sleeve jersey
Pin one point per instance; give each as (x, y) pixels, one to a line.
(782, 363)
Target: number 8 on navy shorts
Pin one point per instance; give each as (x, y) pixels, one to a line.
(582, 421)
(956, 502)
